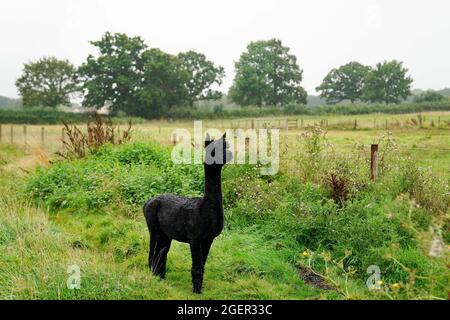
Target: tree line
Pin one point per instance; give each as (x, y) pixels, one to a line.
(131, 78)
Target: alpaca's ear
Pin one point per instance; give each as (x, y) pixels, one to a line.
(224, 137)
(207, 140)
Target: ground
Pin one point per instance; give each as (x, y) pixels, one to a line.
(38, 246)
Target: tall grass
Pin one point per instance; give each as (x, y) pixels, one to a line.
(389, 223)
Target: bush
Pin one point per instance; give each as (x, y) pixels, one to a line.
(50, 116)
(299, 109)
(129, 174)
(40, 116)
(99, 133)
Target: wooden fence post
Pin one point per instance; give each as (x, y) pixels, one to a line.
(355, 124)
(373, 162)
(42, 136)
(12, 134)
(24, 135)
(174, 138)
(0, 132)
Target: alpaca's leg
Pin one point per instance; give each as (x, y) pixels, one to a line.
(151, 252)
(197, 266)
(159, 260)
(163, 262)
(206, 245)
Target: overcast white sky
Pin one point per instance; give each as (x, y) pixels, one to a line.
(322, 33)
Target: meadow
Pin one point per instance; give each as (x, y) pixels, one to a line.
(320, 217)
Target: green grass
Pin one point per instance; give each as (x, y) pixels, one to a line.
(111, 250)
(88, 212)
(36, 253)
(429, 147)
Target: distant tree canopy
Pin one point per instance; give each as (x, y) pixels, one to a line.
(136, 80)
(344, 83)
(429, 96)
(202, 75)
(6, 102)
(115, 77)
(163, 83)
(267, 74)
(388, 82)
(129, 77)
(47, 82)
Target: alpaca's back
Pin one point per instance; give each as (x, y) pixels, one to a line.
(175, 216)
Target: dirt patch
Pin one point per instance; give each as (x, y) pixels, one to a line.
(313, 279)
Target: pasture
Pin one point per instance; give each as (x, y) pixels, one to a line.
(425, 136)
(320, 213)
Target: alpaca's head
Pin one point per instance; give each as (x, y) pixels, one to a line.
(217, 153)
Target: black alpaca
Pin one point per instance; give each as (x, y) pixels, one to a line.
(196, 221)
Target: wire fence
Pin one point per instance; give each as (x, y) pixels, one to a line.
(51, 137)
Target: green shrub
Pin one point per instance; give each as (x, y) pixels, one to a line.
(130, 174)
(50, 116)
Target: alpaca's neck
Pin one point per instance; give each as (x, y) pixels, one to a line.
(213, 189)
(212, 199)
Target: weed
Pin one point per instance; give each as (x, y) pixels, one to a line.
(78, 144)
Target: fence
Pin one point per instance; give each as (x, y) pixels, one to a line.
(52, 135)
(381, 123)
(51, 138)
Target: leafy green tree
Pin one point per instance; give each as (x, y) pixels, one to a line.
(163, 83)
(429, 96)
(115, 77)
(344, 83)
(202, 75)
(47, 82)
(388, 82)
(267, 74)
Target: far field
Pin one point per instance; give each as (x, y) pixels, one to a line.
(425, 136)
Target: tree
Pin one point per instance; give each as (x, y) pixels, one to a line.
(267, 74)
(115, 77)
(163, 83)
(47, 82)
(387, 82)
(344, 83)
(429, 96)
(6, 102)
(202, 75)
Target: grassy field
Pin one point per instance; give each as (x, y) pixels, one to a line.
(88, 213)
(424, 136)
